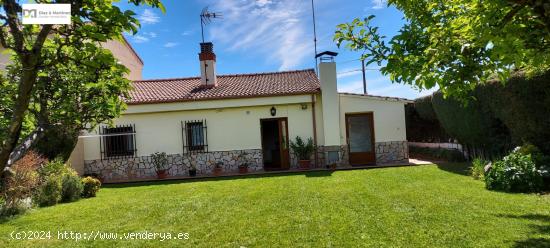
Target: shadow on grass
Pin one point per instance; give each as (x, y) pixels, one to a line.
(222, 178)
(541, 227)
(457, 168)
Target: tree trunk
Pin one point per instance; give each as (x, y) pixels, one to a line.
(26, 145)
(58, 142)
(26, 83)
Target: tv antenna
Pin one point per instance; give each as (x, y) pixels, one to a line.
(206, 18)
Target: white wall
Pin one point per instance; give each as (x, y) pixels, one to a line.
(389, 116)
(124, 53)
(228, 129)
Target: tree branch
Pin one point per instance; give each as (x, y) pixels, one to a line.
(12, 8)
(519, 5)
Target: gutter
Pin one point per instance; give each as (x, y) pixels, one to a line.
(314, 130)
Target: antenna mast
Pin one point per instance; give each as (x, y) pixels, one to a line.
(314, 36)
(206, 18)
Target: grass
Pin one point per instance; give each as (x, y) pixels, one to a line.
(432, 205)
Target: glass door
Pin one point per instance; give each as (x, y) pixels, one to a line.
(360, 137)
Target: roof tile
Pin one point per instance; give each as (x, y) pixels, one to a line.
(229, 86)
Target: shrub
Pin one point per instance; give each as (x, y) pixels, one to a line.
(54, 167)
(57, 184)
(91, 186)
(71, 187)
(542, 161)
(514, 173)
(478, 168)
(50, 191)
(20, 183)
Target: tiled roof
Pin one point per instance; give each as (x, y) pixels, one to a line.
(229, 86)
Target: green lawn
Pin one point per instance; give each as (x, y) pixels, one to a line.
(408, 206)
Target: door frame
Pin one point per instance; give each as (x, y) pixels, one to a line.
(282, 153)
(373, 138)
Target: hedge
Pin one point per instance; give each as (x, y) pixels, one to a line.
(523, 105)
(423, 130)
(496, 117)
(473, 124)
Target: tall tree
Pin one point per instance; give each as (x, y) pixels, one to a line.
(36, 47)
(456, 44)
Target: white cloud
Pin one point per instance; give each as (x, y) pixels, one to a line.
(262, 3)
(276, 30)
(379, 4)
(140, 38)
(171, 44)
(186, 33)
(148, 17)
(150, 34)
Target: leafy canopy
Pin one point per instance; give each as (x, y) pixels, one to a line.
(60, 74)
(455, 44)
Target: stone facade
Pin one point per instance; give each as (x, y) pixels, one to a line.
(142, 167)
(392, 152)
(321, 153)
(127, 169)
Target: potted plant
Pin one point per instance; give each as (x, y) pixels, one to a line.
(193, 170)
(243, 167)
(218, 169)
(303, 151)
(160, 160)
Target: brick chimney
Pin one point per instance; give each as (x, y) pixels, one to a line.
(208, 65)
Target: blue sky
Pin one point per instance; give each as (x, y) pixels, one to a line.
(261, 36)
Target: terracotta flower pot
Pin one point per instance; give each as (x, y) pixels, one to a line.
(161, 174)
(304, 164)
(243, 169)
(217, 171)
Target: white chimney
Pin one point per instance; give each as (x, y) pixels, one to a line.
(208, 65)
(330, 99)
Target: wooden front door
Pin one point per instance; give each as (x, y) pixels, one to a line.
(283, 134)
(275, 143)
(360, 137)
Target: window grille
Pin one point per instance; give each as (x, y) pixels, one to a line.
(194, 136)
(117, 142)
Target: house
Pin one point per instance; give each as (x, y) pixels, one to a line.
(242, 118)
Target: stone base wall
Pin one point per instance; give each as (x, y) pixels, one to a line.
(321, 153)
(143, 168)
(392, 152)
(342, 152)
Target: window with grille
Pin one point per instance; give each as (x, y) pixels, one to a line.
(118, 141)
(195, 137)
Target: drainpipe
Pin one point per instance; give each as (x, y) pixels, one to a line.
(314, 130)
